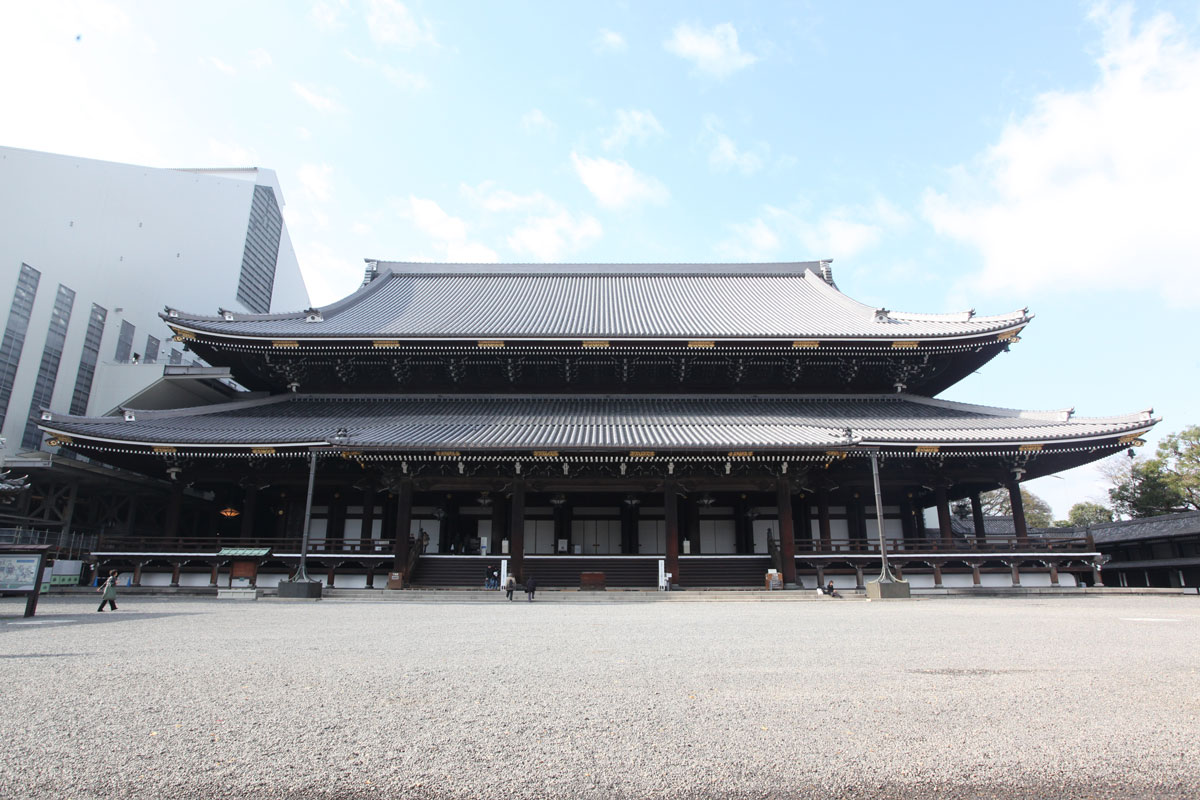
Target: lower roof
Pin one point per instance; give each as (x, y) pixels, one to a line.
(592, 423)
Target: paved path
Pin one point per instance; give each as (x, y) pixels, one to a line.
(973, 697)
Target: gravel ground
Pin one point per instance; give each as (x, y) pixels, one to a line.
(1090, 697)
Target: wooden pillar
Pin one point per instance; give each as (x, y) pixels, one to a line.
(387, 521)
(403, 524)
(499, 523)
(1054, 573)
(692, 525)
(329, 578)
(1016, 572)
(937, 574)
(175, 570)
(671, 514)
(823, 520)
(820, 576)
(371, 574)
(787, 530)
(975, 577)
(856, 517)
(335, 523)
(1018, 512)
(367, 531)
(629, 527)
(249, 504)
(907, 528)
(858, 577)
(943, 512)
(137, 573)
(919, 518)
(174, 508)
(803, 520)
(897, 569)
(516, 531)
(562, 527)
(1097, 580)
(212, 577)
(977, 517)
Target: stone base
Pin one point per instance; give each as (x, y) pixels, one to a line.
(300, 590)
(237, 593)
(895, 590)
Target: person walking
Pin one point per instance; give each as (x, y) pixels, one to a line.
(109, 590)
(530, 586)
(510, 585)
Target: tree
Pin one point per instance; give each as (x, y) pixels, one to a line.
(1085, 513)
(1142, 490)
(1037, 511)
(1179, 458)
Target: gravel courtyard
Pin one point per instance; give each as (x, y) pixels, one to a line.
(975, 697)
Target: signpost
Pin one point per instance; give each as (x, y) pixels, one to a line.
(21, 569)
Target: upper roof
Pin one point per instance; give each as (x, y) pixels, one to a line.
(593, 423)
(597, 301)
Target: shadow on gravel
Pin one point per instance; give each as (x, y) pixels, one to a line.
(16, 621)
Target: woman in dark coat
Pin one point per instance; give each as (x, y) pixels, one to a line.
(530, 587)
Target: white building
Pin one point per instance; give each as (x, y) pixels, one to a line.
(91, 251)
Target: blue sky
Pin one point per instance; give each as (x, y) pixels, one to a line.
(945, 155)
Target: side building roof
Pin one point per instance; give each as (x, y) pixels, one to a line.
(773, 301)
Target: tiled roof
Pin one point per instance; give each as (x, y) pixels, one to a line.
(592, 422)
(593, 301)
(1167, 525)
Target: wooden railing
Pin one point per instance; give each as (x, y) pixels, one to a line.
(959, 544)
(193, 544)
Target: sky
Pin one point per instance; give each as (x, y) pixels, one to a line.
(944, 155)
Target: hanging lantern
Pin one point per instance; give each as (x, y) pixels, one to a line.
(230, 512)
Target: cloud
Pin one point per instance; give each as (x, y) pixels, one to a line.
(840, 232)
(632, 125)
(495, 200)
(326, 105)
(221, 65)
(398, 77)
(725, 155)
(449, 234)
(328, 275)
(550, 238)
(315, 181)
(715, 51)
(617, 185)
(609, 42)
(260, 58)
(327, 14)
(534, 121)
(231, 154)
(1092, 189)
(390, 22)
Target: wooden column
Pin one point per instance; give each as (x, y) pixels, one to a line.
(803, 519)
(1018, 512)
(975, 577)
(919, 518)
(671, 514)
(335, 522)
(176, 567)
(249, 505)
(629, 528)
(823, 519)
(404, 500)
(499, 523)
(212, 578)
(787, 530)
(1054, 573)
(937, 574)
(367, 531)
(907, 525)
(692, 525)
(137, 573)
(516, 531)
(943, 512)
(1016, 572)
(858, 577)
(174, 509)
(977, 517)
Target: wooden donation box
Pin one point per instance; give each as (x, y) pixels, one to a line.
(774, 580)
(593, 581)
(395, 580)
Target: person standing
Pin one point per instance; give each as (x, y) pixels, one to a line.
(530, 586)
(510, 585)
(109, 590)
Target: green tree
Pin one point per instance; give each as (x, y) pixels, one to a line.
(1143, 489)
(1037, 511)
(1179, 459)
(1085, 513)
